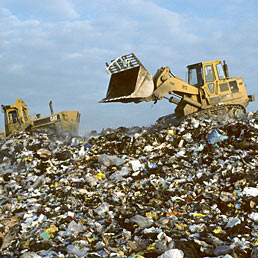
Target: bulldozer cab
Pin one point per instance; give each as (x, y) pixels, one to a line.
(206, 72)
(16, 116)
(213, 80)
(129, 82)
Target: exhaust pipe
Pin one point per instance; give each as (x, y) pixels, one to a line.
(51, 107)
(225, 67)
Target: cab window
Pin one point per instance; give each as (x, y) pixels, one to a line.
(209, 75)
(195, 77)
(13, 117)
(211, 87)
(24, 115)
(220, 71)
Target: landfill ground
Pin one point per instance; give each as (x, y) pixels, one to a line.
(161, 191)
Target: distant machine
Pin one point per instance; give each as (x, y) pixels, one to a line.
(17, 119)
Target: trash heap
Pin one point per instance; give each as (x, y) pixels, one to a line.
(159, 191)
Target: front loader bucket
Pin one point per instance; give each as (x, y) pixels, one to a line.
(129, 82)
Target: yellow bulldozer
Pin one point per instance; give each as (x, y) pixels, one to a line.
(17, 119)
(208, 89)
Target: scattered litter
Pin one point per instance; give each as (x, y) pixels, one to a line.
(167, 192)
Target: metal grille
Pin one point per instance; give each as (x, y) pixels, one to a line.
(233, 86)
(123, 63)
(42, 121)
(223, 87)
(45, 120)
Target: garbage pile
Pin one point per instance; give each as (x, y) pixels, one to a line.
(159, 191)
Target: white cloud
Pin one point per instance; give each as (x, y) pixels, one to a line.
(73, 56)
(60, 8)
(47, 9)
(4, 12)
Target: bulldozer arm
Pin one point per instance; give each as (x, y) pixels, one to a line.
(129, 82)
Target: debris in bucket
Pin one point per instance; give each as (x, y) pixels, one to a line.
(159, 191)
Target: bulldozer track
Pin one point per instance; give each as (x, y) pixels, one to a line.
(231, 110)
(218, 112)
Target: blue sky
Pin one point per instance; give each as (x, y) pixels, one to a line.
(56, 50)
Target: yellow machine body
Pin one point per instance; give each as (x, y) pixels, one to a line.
(17, 119)
(2, 134)
(207, 87)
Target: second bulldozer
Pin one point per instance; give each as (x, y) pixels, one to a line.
(17, 119)
(209, 89)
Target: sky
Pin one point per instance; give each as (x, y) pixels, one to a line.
(57, 49)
